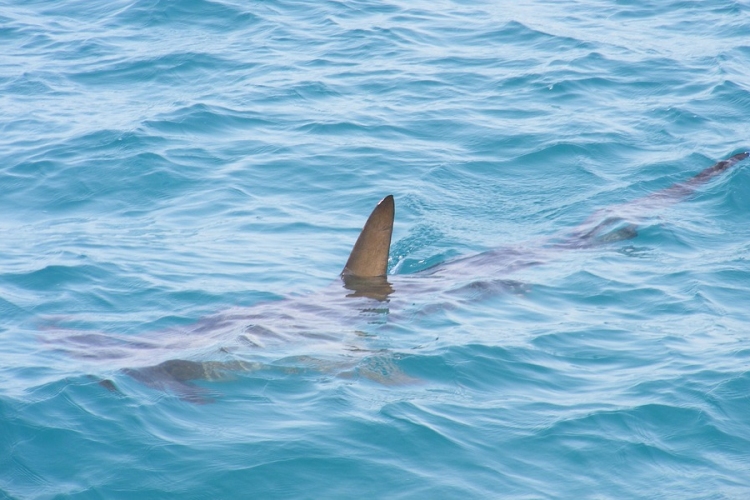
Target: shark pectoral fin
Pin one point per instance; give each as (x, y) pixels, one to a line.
(369, 257)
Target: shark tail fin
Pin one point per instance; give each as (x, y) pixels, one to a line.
(717, 169)
(369, 257)
(720, 167)
(686, 188)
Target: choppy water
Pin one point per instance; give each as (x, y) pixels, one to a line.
(163, 161)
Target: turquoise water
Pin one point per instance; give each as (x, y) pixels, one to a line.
(164, 162)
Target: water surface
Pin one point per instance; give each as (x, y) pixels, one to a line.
(164, 162)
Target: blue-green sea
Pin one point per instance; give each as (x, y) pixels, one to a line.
(181, 183)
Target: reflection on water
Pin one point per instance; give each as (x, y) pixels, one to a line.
(377, 287)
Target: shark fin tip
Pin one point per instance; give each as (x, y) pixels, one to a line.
(369, 257)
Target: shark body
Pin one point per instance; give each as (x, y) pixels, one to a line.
(322, 322)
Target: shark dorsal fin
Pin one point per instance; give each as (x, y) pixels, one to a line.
(369, 257)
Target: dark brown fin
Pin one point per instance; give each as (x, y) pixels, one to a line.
(369, 256)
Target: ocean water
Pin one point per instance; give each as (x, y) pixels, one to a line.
(181, 183)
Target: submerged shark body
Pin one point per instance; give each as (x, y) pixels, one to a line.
(326, 322)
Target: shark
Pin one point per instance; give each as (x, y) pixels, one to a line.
(242, 340)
